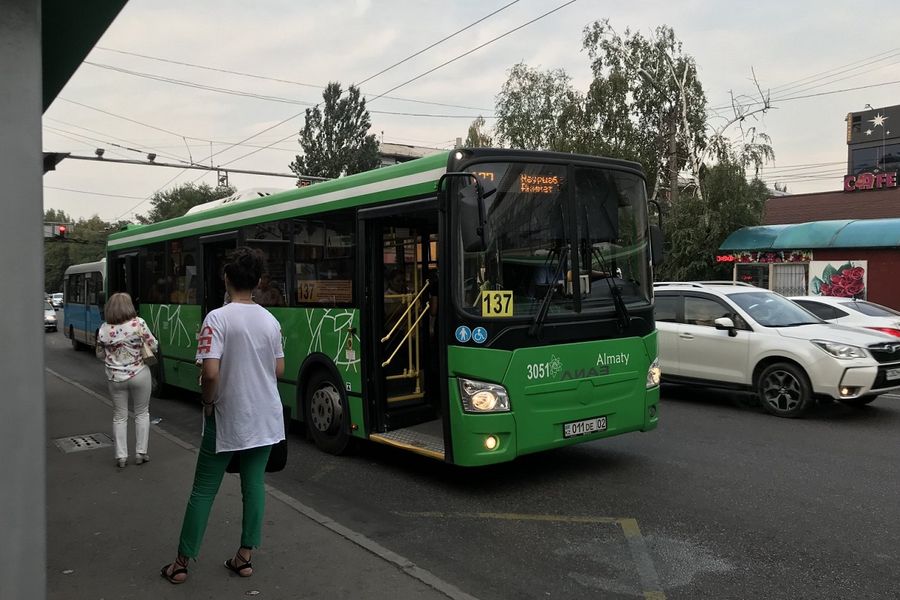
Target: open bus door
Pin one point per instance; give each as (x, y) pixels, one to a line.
(399, 326)
(124, 276)
(214, 251)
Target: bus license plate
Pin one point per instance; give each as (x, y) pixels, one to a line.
(585, 427)
(892, 374)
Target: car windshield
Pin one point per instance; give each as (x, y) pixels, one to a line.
(773, 310)
(871, 310)
(47, 306)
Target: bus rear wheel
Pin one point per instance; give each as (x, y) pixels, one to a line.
(76, 345)
(326, 413)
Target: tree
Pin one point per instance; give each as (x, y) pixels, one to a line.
(537, 110)
(477, 136)
(698, 223)
(178, 200)
(647, 93)
(85, 242)
(334, 138)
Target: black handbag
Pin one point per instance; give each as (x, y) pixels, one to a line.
(277, 459)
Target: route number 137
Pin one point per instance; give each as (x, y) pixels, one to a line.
(496, 303)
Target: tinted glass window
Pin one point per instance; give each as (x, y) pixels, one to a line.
(181, 271)
(274, 240)
(323, 260)
(153, 275)
(823, 311)
(872, 310)
(666, 308)
(703, 311)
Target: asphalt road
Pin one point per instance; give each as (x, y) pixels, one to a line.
(721, 501)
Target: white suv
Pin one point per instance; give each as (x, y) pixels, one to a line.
(744, 337)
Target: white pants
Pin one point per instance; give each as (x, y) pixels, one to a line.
(138, 389)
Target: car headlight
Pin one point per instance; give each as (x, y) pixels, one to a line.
(839, 350)
(482, 397)
(654, 373)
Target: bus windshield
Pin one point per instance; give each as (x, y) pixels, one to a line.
(542, 221)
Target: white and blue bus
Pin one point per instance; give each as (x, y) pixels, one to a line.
(84, 287)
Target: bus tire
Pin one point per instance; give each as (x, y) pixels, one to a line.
(158, 386)
(76, 345)
(326, 412)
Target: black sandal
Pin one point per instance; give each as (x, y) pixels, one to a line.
(234, 568)
(178, 568)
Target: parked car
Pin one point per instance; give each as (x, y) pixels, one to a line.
(847, 311)
(50, 322)
(56, 300)
(743, 337)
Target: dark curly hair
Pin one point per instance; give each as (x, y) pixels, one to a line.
(244, 268)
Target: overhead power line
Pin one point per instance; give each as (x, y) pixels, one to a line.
(437, 43)
(274, 79)
(475, 49)
(50, 187)
(255, 95)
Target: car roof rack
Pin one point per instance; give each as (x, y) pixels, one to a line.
(701, 284)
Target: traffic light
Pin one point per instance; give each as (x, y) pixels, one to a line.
(61, 231)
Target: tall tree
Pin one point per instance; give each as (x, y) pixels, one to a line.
(84, 242)
(646, 90)
(175, 202)
(537, 110)
(335, 138)
(477, 137)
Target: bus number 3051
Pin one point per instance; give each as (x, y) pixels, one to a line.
(538, 370)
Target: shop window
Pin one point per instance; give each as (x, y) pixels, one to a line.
(757, 275)
(789, 279)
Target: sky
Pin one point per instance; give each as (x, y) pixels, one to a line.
(807, 55)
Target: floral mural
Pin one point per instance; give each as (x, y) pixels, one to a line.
(847, 280)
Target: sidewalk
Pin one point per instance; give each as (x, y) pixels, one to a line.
(110, 530)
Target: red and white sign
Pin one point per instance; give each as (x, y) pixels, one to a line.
(870, 181)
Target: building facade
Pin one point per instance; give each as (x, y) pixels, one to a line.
(838, 243)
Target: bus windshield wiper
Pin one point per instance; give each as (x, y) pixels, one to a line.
(614, 290)
(545, 302)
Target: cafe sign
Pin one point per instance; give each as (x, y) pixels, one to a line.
(870, 181)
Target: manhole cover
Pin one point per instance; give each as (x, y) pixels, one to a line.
(77, 443)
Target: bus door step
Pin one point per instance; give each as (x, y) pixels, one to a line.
(408, 438)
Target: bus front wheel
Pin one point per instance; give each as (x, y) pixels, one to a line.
(326, 413)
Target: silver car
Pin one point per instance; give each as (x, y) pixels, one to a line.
(50, 321)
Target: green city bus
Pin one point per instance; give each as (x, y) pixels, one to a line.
(470, 306)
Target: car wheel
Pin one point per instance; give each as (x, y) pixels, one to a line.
(861, 401)
(784, 390)
(326, 413)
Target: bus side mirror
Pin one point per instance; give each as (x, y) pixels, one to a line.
(472, 220)
(656, 245)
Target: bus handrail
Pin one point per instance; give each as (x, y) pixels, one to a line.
(408, 333)
(405, 312)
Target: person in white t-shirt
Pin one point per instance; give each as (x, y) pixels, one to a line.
(240, 346)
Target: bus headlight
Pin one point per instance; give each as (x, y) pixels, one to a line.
(482, 397)
(653, 374)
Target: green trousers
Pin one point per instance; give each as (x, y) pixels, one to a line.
(207, 479)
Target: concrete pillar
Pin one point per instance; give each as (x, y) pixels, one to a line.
(22, 432)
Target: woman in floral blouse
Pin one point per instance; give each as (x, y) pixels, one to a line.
(119, 344)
